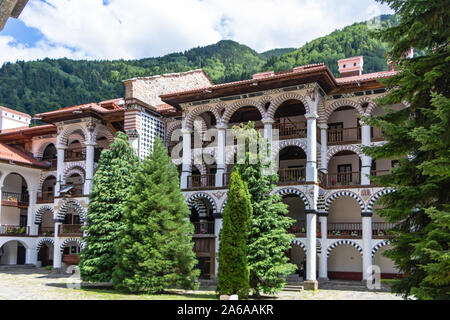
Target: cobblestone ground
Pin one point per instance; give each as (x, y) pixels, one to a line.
(39, 284)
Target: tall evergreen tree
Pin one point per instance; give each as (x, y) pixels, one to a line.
(155, 251)
(111, 185)
(420, 136)
(269, 239)
(233, 275)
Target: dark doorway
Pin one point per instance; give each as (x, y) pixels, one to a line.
(20, 254)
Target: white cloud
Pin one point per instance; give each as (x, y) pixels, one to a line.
(131, 29)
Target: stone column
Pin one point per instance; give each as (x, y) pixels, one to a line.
(186, 166)
(59, 168)
(1, 187)
(367, 242)
(89, 168)
(57, 255)
(217, 228)
(311, 282)
(366, 161)
(32, 198)
(323, 147)
(220, 159)
(268, 124)
(311, 155)
(323, 266)
(31, 256)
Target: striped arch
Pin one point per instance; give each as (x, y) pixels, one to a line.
(196, 196)
(75, 136)
(379, 245)
(299, 243)
(341, 242)
(69, 240)
(342, 103)
(71, 204)
(321, 204)
(339, 194)
(40, 212)
(103, 131)
(286, 191)
(80, 166)
(40, 153)
(192, 115)
(44, 176)
(370, 105)
(335, 149)
(375, 197)
(170, 130)
(41, 242)
(303, 246)
(278, 146)
(285, 97)
(263, 101)
(230, 110)
(63, 137)
(223, 205)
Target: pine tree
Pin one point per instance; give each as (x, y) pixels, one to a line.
(233, 275)
(269, 239)
(111, 184)
(420, 136)
(155, 251)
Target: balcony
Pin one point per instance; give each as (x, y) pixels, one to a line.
(376, 134)
(14, 199)
(76, 191)
(203, 228)
(201, 181)
(344, 136)
(13, 230)
(46, 231)
(74, 154)
(53, 164)
(45, 197)
(288, 176)
(66, 230)
(353, 230)
(339, 179)
(291, 130)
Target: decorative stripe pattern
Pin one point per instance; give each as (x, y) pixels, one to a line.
(40, 212)
(193, 200)
(42, 242)
(379, 245)
(338, 194)
(303, 246)
(341, 242)
(286, 191)
(69, 240)
(376, 196)
(71, 204)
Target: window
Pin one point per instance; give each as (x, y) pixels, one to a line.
(335, 132)
(23, 221)
(344, 173)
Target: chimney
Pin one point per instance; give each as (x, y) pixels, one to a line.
(349, 67)
(263, 75)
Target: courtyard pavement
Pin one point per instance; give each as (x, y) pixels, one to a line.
(39, 284)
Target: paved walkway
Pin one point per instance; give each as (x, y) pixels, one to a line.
(39, 284)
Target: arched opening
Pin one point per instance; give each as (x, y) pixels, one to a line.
(344, 219)
(297, 256)
(45, 254)
(70, 253)
(296, 208)
(345, 263)
(246, 114)
(343, 126)
(14, 215)
(380, 228)
(386, 265)
(75, 151)
(13, 253)
(202, 123)
(50, 155)
(71, 225)
(291, 168)
(46, 225)
(76, 181)
(290, 120)
(344, 168)
(47, 193)
(101, 144)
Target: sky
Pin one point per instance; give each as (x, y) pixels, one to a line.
(133, 29)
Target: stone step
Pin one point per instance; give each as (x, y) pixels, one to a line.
(293, 288)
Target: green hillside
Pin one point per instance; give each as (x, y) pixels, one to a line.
(44, 85)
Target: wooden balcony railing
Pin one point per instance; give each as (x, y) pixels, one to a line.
(70, 229)
(298, 227)
(76, 191)
(380, 230)
(201, 181)
(344, 135)
(349, 230)
(291, 130)
(340, 179)
(203, 227)
(291, 175)
(46, 231)
(13, 230)
(45, 197)
(15, 199)
(74, 154)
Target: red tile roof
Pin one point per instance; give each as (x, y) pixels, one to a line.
(366, 77)
(9, 153)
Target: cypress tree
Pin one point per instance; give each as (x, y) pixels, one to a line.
(233, 275)
(269, 239)
(420, 136)
(111, 184)
(155, 251)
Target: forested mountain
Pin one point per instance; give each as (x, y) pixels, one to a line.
(44, 85)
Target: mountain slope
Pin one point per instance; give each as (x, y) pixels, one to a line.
(44, 85)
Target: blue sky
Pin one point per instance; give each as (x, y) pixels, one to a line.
(132, 29)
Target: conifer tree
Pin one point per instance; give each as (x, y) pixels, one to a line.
(155, 250)
(269, 239)
(233, 275)
(419, 136)
(111, 184)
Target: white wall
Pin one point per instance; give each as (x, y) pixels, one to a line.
(345, 258)
(386, 265)
(10, 216)
(347, 117)
(336, 160)
(9, 253)
(343, 210)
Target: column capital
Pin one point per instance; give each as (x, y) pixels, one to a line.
(310, 211)
(322, 214)
(311, 116)
(186, 130)
(268, 121)
(61, 147)
(323, 126)
(222, 126)
(366, 214)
